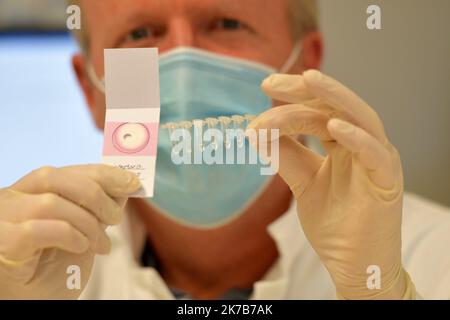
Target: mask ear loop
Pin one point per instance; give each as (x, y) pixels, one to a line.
(99, 84)
(292, 59)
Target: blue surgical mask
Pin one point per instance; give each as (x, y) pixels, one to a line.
(197, 84)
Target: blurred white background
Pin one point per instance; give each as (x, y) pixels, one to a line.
(43, 117)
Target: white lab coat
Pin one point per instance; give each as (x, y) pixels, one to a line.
(298, 273)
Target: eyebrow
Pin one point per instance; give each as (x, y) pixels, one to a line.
(121, 23)
(137, 16)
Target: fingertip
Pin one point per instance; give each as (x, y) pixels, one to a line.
(251, 126)
(131, 180)
(127, 182)
(255, 124)
(134, 184)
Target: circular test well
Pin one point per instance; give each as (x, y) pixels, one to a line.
(131, 137)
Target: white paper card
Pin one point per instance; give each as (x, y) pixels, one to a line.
(132, 113)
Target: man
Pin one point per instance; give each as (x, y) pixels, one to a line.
(349, 204)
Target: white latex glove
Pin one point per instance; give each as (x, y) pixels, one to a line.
(350, 202)
(54, 218)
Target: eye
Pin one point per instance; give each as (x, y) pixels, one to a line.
(139, 34)
(227, 24)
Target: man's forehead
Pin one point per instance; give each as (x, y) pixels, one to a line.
(124, 6)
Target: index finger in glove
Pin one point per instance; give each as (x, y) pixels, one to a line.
(314, 85)
(293, 120)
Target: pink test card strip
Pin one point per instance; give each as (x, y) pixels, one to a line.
(132, 113)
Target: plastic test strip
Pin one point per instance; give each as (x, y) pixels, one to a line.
(132, 113)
